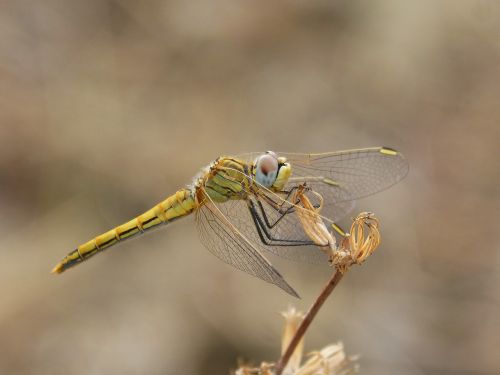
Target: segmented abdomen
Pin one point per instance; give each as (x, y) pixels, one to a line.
(177, 205)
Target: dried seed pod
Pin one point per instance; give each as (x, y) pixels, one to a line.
(364, 237)
(312, 223)
(359, 244)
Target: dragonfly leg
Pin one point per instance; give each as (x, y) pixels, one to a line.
(270, 225)
(279, 208)
(266, 237)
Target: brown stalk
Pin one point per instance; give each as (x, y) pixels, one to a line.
(313, 310)
(354, 249)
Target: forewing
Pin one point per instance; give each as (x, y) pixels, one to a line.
(345, 176)
(225, 240)
(352, 174)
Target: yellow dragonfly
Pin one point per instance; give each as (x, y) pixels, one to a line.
(248, 205)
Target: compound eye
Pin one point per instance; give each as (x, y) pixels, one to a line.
(267, 164)
(266, 170)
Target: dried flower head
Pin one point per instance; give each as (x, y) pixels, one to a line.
(293, 318)
(359, 244)
(311, 221)
(330, 360)
(264, 369)
(364, 237)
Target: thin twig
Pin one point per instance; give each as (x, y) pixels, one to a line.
(313, 310)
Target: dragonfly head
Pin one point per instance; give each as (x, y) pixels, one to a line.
(272, 171)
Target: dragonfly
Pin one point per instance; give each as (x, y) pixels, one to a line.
(246, 206)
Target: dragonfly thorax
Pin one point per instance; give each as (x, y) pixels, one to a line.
(224, 179)
(229, 178)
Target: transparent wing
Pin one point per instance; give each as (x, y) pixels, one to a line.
(273, 228)
(224, 239)
(344, 176)
(350, 174)
(340, 178)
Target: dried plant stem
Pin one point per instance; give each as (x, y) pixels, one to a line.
(313, 310)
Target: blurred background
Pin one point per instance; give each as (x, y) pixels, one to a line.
(106, 107)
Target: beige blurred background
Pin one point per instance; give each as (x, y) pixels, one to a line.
(106, 107)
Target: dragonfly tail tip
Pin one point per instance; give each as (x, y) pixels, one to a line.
(59, 268)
